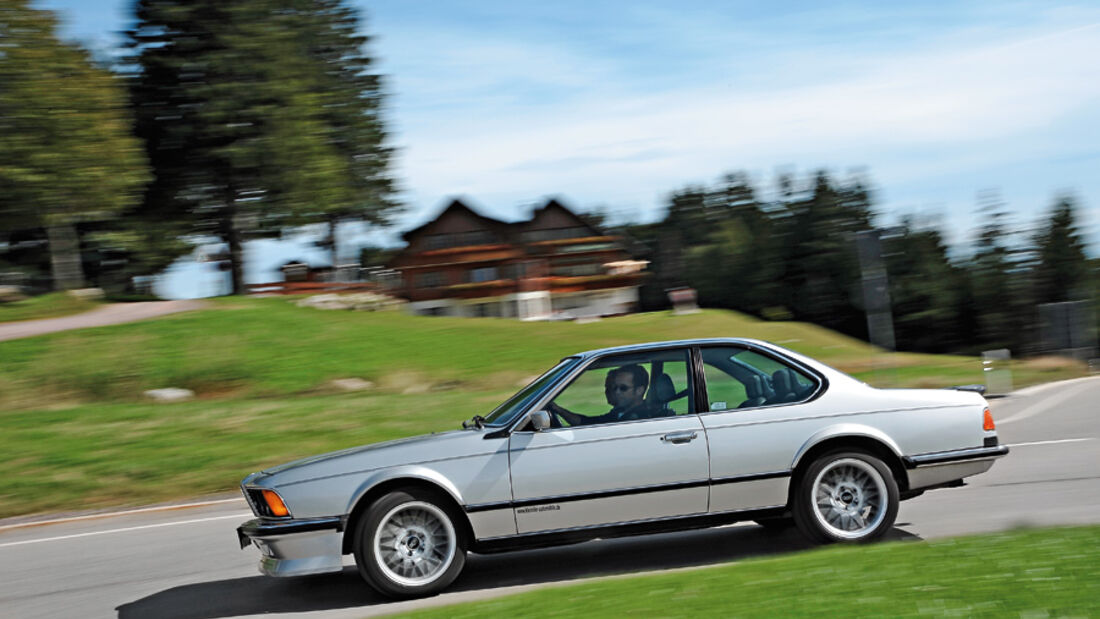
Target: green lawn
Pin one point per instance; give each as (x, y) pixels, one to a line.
(46, 306)
(76, 434)
(1036, 573)
(245, 348)
(104, 455)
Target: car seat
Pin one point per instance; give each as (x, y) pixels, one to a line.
(754, 390)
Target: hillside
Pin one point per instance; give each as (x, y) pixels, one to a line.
(77, 434)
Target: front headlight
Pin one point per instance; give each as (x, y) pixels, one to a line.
(266, 503)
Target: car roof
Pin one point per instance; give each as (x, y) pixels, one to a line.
(668, 344)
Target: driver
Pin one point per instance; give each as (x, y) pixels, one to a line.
(624, 389)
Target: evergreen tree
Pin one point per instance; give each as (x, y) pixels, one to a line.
(927, 291)
(820, 268)
(248, 120)
(1061, 267)
(67, 154)
(353, 111)
(1002, 312)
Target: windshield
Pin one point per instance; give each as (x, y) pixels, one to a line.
(507, 411)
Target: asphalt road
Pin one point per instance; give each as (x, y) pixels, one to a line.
(185, 562)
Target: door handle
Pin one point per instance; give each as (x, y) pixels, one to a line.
(680, 437)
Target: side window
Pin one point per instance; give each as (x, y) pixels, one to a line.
(740, 378)
(627, 388)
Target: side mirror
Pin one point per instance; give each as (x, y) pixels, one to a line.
(540, 420)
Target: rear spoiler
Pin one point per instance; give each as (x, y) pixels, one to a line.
(979, 389)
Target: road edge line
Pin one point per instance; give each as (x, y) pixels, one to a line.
(140, 510)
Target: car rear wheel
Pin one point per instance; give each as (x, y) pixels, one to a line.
(409, 545)
(846, 497)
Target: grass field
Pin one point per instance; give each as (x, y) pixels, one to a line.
(1039, 573)
(246, 348)
(76, 434)
(45, 306)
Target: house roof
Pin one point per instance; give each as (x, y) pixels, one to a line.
(456, 206)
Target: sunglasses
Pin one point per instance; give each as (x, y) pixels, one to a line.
(619, 388)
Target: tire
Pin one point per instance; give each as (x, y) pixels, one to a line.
(410, 544)
(845, 497)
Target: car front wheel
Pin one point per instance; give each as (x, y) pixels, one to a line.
(408, 545)
(846, 497)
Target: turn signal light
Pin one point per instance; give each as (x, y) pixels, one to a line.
(987, 420)
(278, 508)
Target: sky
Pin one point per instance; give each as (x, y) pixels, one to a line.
(614, 105)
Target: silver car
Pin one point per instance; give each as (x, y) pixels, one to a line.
(624, 441)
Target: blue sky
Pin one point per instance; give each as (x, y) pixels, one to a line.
(613, 105)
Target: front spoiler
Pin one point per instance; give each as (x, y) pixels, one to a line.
(295, 547)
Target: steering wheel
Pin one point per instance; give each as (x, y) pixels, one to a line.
(555, 417)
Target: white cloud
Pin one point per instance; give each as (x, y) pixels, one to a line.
(908, 115)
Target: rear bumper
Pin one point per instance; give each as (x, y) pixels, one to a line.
(939, 468)
(295, 547)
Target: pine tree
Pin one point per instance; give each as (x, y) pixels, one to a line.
(67, 154)
(1061, 267)
(250, 119)
(353, 110)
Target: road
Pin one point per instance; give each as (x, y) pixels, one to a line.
(111, 314)
(185, 563)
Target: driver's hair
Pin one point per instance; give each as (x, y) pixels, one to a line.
(637, 372)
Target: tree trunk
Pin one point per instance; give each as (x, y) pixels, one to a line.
(236, 258)
(68, 273)
(231, 232)
(332, 225)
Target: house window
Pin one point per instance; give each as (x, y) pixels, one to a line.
(437, 241)
(433, 279)
(554, 234)
(574, 267)
(483, 274)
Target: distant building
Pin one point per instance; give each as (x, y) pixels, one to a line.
(554, 265)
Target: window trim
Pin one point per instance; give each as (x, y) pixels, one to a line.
(704, 402)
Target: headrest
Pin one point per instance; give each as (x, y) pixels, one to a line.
(754, 388)
(782, 382)
(663, 389)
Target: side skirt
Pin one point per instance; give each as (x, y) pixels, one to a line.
(665, 525)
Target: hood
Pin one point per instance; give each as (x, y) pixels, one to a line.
(418, 449)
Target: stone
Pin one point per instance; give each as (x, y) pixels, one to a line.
(363, 302)
(11, 294)
(170, 394)
(87, 294)
(352, 384)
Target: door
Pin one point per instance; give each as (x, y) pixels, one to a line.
(625, 445)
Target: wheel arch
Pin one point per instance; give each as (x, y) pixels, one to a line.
(849, 436)
(377, 487)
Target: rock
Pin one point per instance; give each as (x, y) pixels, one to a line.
(170, 394)
(11, 294)
(86, 294)
(352, 384)
(363, 302)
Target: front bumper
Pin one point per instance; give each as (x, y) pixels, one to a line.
(295, 547)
